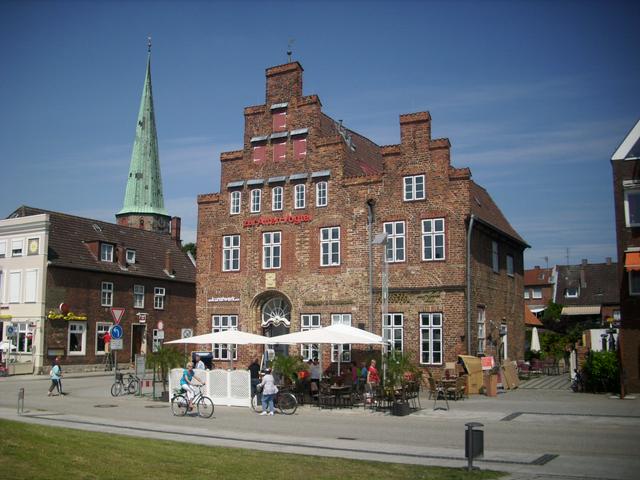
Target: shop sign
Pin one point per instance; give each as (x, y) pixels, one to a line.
(294, 219)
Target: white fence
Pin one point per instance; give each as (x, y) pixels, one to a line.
(224, 387)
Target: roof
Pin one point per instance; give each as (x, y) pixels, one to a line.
(484, 209)
(538, 276)
(597, 284)
(69, 235)
(144, 184)
(530, 320)
(630, 146)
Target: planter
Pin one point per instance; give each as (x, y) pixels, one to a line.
(491, 385)
(400, 409)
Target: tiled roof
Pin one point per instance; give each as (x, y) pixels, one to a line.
(68, 247)
(597, 284)
(485, 209)
(530, 320)
(538, 276)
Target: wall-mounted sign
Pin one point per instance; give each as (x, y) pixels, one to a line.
(295, 219)
(270, 280)
(223, 299)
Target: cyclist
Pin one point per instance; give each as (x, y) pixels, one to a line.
(186, 382)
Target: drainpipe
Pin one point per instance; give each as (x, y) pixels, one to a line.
(471, 220)
(370, 247)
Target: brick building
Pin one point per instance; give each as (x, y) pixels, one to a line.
(625, 163)
(539, 286)
(289, 241)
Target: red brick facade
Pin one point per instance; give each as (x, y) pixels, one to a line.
(365, 183)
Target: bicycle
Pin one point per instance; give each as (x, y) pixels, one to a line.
(284, 401)
(577, 384)
(119, 388)
(180, 404)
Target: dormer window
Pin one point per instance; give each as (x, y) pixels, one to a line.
(131, 256)
(571, 292)
(106, 252)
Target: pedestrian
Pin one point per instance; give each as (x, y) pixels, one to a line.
(316, 373)
(373, 379)
(199, 363)
(269, 391)
(55, 374)
(254, 372)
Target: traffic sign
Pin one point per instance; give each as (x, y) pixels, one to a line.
(11, 330)
(117, 313)
(116, 333)
(116, 344)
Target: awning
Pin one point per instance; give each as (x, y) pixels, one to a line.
(632, 261)
(537, 309)
(582, 310)
(530, 319)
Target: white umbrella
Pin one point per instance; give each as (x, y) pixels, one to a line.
(535, 340)
(6, 345)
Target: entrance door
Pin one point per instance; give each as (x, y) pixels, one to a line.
(276, 318)
(138, 340)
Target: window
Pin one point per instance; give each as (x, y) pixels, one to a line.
(138, 296)
(329, 246)
(309, 322)
(131, 256)
(101, 330)
(271, 246)
(106, 294)
(3, 248)
(322, 194)
(106, 252)
(158, 298)
(1, 287)
(571, 292)
(414, 188)
(259, 153)
(495, 260)
(634, 282)
(30, 286)
(431, 338)
(482, 332)
(234, 202)
(526, 293)
(77, 338)
(299, 196)
(24, 337)
(510, 270)
(221, 323)
(279, 150)
(395, 241)
(299, 148)
(433, 239)
(276, 198)
(279, 121)
(231, 253)
(392, 330)
(341, 319)
(632, 208)
(256, 200)
(536, 292)
(15, 286)
(17, 247)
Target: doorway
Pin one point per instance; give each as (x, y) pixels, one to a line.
(276, 319)
(138, 340)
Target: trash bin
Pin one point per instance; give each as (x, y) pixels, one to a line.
(474, 442)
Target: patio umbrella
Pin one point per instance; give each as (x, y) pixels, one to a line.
(535, 340)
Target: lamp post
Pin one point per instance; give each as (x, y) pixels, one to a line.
(382, 239)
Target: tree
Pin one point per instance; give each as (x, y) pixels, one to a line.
(190, 247)
(551, 315)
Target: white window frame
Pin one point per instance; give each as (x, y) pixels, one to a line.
(322, 194)
(393, 331)
(101, 329)
(433, 238)
(277, 196)
(106, 294)
(482, 330)
(299, 196)
(106, 252)
(235, 200)
(395, 249)
(510, 266)
(23, 343)
(17, 247)
(138, 296)
(341, 319)
(571, 295)
(536, 293)
(428, 326)
(3, 248)
(271, 250)
(495, 257)
(526, 294)
(159, 296)
(309, 321)
(131, 256)
(75, 327)
(2, 282)
(15, 286)
(230, 253)
(222, 323)
(31, 285)
(256, 200)
(329, 247)
(627, 214)
(413, 188)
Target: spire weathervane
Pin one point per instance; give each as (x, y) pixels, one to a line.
(149, 44)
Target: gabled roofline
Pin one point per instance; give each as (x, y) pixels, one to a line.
(628, 143)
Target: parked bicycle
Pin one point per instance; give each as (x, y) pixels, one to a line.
(180, 404)
(577, 384)
(122, 386)
(284, 401)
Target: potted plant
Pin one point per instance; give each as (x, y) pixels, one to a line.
(400, 372)
(162, 362)
(288, 367)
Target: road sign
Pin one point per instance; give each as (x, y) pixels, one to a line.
(11, 330)
(116, 344)
(117, 313)
(187, 333)
(116, 333)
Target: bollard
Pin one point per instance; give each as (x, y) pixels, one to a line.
(21, 401)
(474, 443)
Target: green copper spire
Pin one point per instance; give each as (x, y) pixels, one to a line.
(144, 185)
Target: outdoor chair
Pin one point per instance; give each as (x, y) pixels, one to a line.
(437, 392)
(524, 371)
(325, 398)
(536, 366)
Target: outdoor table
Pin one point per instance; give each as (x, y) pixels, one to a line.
(447, 383)
(342, 394)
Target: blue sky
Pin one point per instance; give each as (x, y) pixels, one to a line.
(534, 97)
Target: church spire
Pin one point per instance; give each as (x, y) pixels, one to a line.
(143, 199)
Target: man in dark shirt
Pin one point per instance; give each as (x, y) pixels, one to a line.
(254, 370)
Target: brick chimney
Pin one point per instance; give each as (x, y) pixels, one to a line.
(283, 83)
(121, 256)
(168, 267)
(176, 223)
(415, 131)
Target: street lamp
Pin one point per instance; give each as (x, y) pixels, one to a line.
(382, 239)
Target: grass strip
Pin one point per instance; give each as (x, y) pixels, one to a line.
(29, 451)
